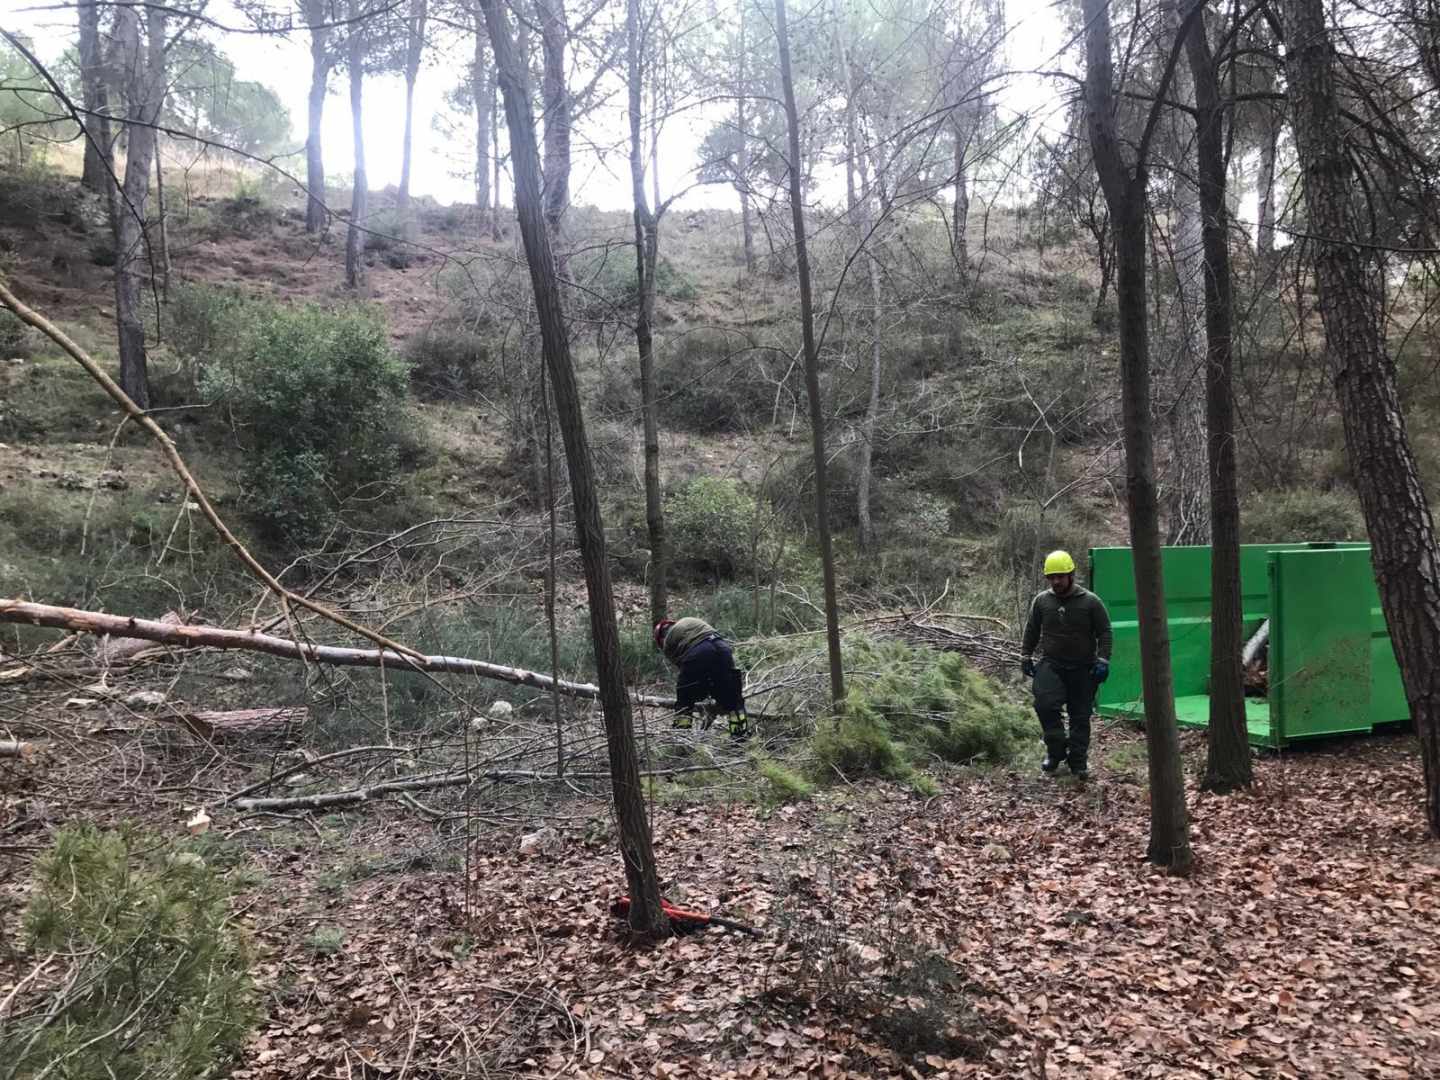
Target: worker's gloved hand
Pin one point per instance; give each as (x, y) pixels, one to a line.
(1101, 671)
(1027, 667)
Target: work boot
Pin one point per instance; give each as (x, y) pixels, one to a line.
(739, 726)
(1051, 762)
(1079, 768)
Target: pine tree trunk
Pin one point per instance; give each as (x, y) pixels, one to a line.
(961, 212)
(1227, 761)
(742, 156)
(414, 49)
(1125, 194)
(1265, 183)
(860, 215)
(320, 64)
(482, 89)
(1188, 497)
(812, 364)
(360, 195)
(495, 231)
(99, 168)
(161, 227)
(553, 34)
(1350, 289)
(143, 68)
(646, 915)
(647, 250)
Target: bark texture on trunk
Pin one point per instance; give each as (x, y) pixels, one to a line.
(636, 850)
(142, 69)
(99, 169)
(742, 156)
(647, 252)
(1125, 194)
(554, 32)
(1350, 286)
(162, 230)
(1227, 761)
(414, 50)
(861, 218)
(1265, 183)
(360, 194)
(321, 62)
(482, 89)
(812, 362)
(1187, 502)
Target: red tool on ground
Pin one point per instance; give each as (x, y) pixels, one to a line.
(685, 922)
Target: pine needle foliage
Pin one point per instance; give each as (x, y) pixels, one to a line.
(157, 985)
(907, 704)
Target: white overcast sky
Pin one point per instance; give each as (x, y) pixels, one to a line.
(442, 166)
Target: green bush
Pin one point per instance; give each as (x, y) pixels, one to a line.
(318, 395)
(160, 984)
(711, 521)
(449, 362)
(16, 338)
(712, 381)
(1300, 515)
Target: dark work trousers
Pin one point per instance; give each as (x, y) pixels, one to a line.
(708, 671)
(1070, 688)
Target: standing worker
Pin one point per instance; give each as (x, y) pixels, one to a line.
(1071, 627)
(707, 670)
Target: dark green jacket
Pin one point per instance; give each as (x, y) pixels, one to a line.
(1069, 629)
(685, 634)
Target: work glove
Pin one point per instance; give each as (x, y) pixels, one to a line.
(684, 719)
(1100, 672)
(1027, 667)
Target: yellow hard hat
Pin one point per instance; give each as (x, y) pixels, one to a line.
(1059, 562)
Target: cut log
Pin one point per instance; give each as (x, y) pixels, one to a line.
(245, 722)
(15, 748)
(1256, 646)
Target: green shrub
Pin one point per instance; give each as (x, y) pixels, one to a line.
(246, 214)
(317, 394)
(205, 318)
(713, 381)
(731, 610)
(160, 985)
(448, 362)
(16, 337)
(711, 520)
(1300, 515)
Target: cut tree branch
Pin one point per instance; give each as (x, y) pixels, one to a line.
(211, 637)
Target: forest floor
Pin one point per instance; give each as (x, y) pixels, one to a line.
(1003, 927)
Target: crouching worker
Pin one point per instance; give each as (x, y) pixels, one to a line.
(707, 670)
(1071, 628)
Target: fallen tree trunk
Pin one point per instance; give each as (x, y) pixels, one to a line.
(512, 776)
(234, 722)
(15, 748)
(212, 637)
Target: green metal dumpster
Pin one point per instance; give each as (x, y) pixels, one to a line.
(1331, 666)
